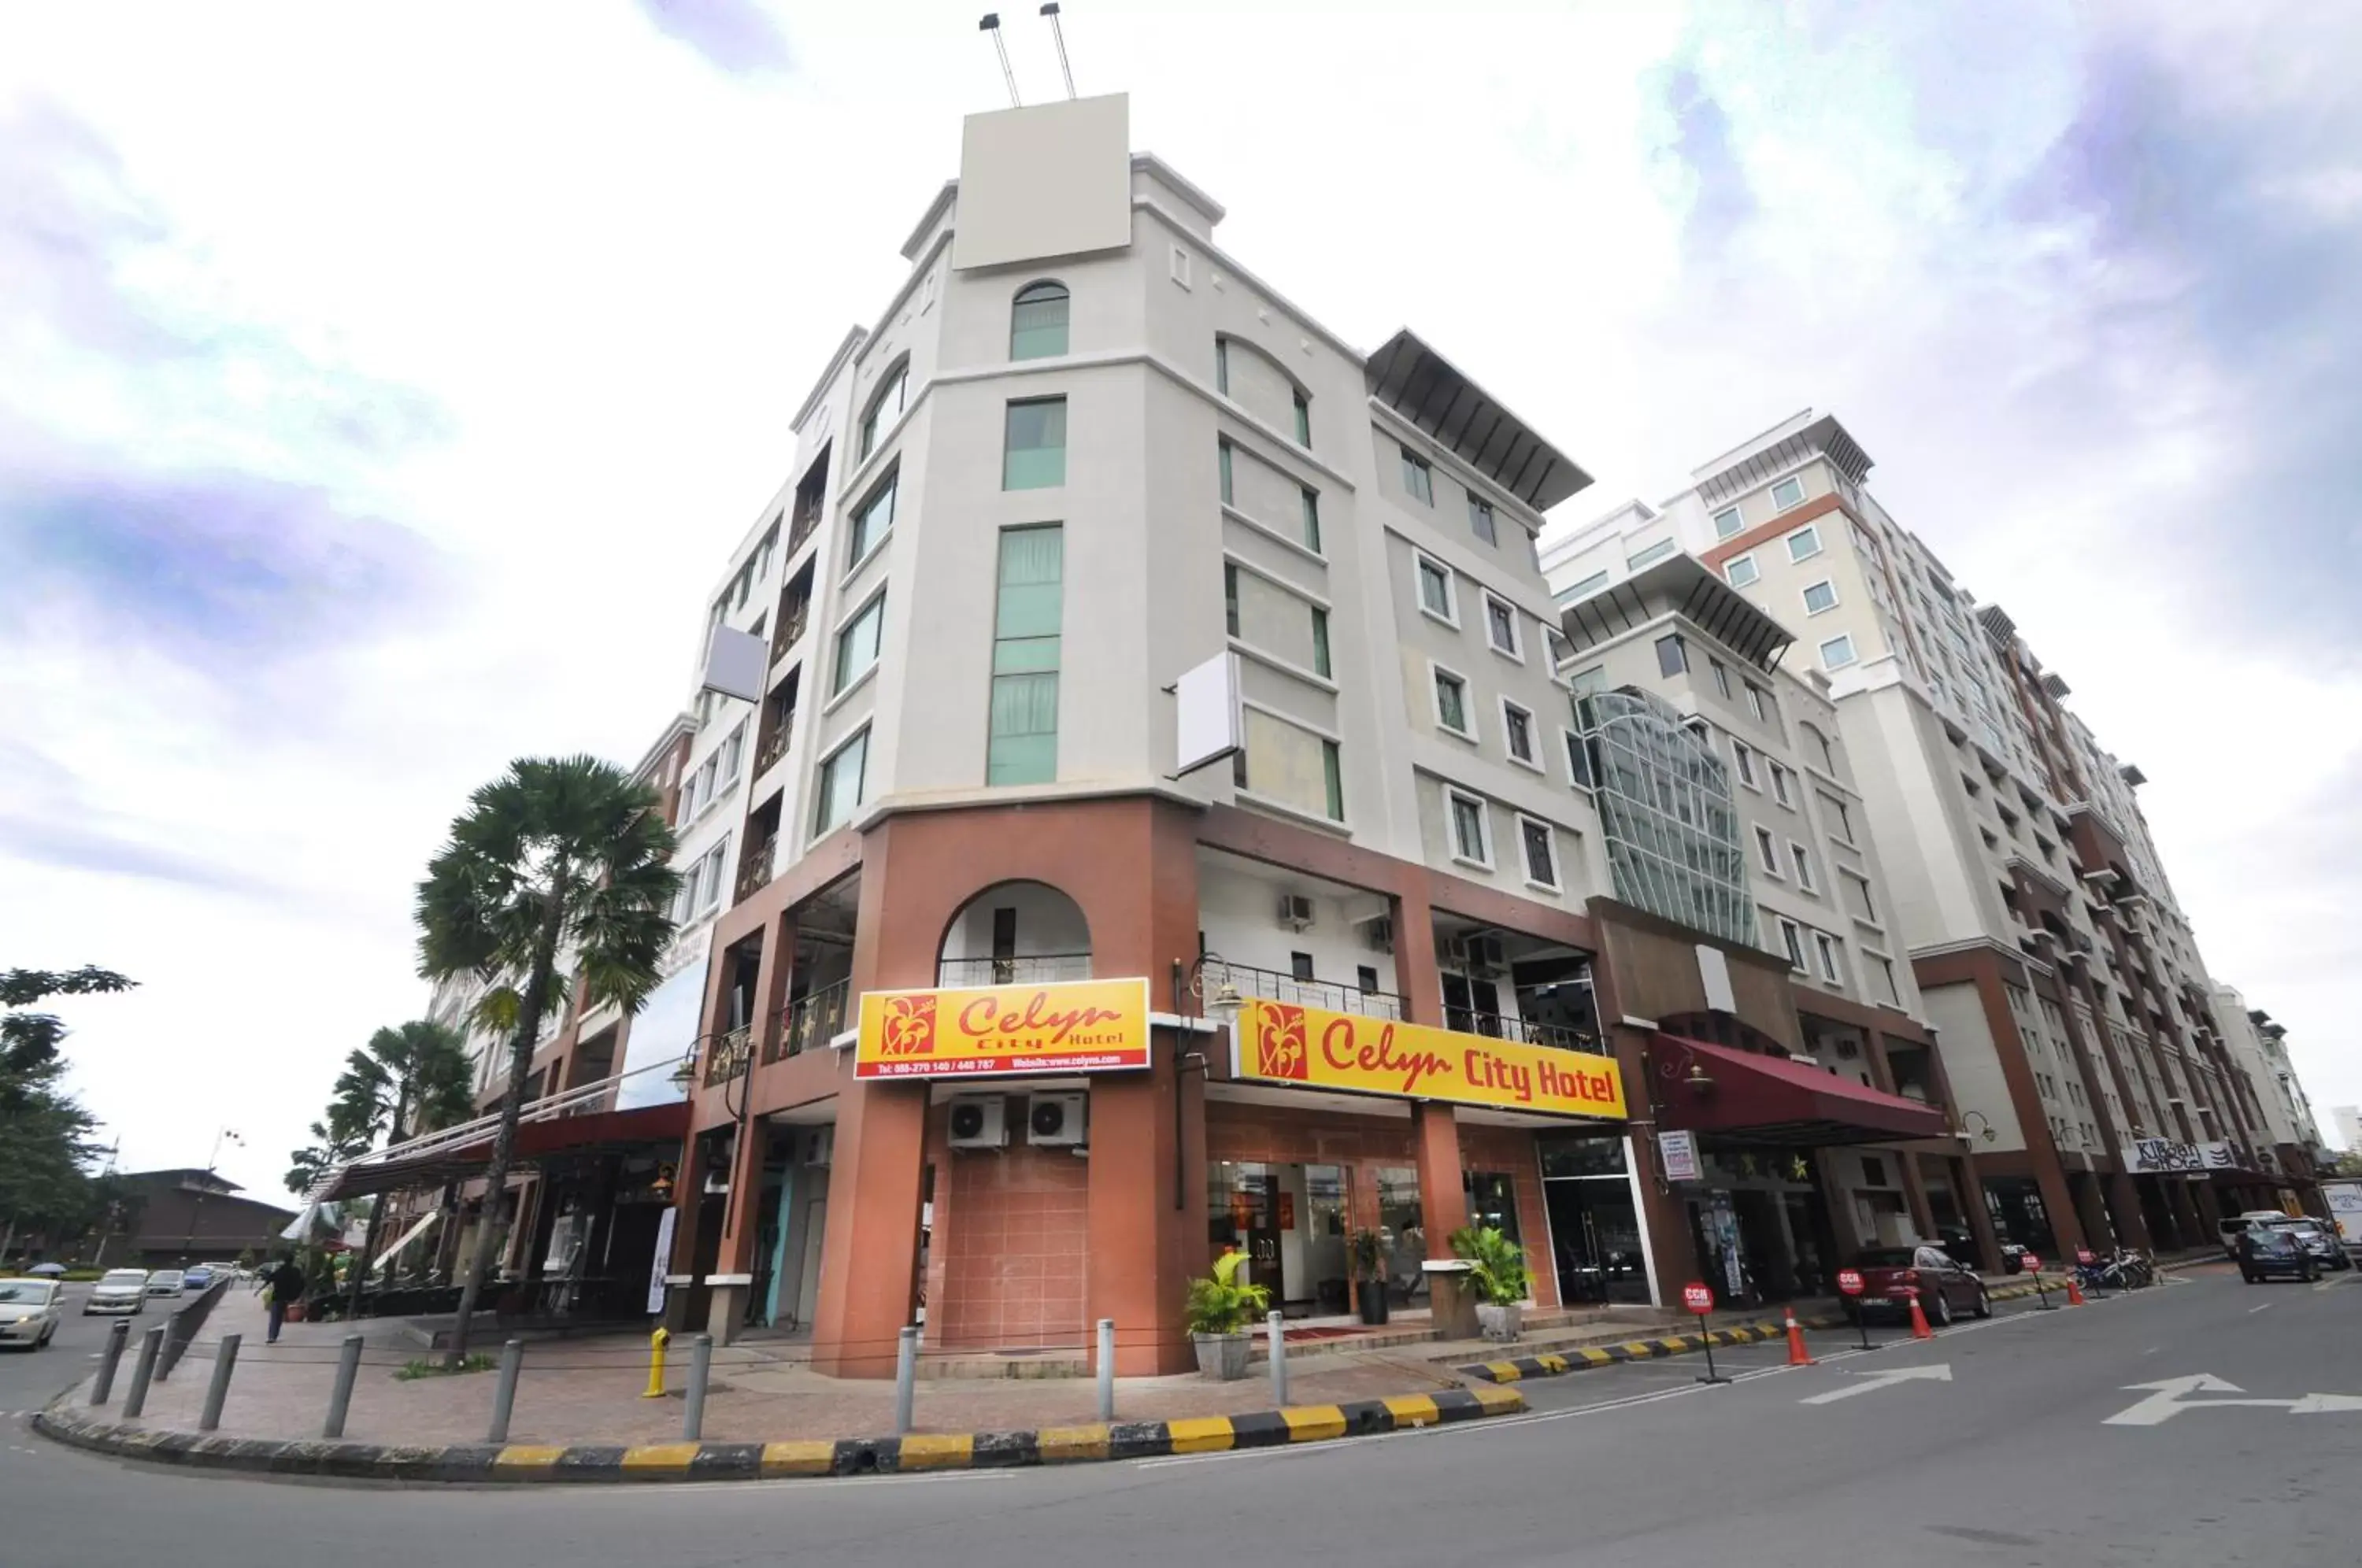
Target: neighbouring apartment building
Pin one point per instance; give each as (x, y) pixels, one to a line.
(2259, 1047)
(2080, 1030)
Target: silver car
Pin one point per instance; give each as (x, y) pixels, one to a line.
(118, 1290)
(28, 1313)
(166, 1282)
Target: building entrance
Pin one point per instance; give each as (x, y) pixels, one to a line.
(1595, 1226)
(1291, 1222)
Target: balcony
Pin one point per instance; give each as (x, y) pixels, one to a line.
(756, 872)
(1029, 969)
(1275, 986)
(807, 519)
(812, 1021)
(792, 621)
(727, 1056)
(777, 746)
(1518, 1029)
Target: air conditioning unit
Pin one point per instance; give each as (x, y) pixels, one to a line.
(980, 1122)
(1058, 1120)
(1378, 935)
(1487, 953)
(1295, 911)
(1456, 952)
(820, 1147)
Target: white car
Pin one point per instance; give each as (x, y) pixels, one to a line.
(166, 1282)
(118, 1290)
(28, 1313)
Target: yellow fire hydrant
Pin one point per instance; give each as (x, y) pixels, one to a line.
(656, 1342)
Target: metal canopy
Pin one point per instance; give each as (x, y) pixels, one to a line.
(1430, 392)
(1685, 586)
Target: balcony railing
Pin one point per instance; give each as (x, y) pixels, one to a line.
(777, 746)
(727, 1056)
(756, 872)
(1272, 985)
(812, 1021)
(1025, 969)
(792, 621)
(801, 528)
(1524, 1032)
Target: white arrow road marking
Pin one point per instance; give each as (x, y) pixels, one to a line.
(2169, 1397)
(1872, 1381)
(2324, 1404)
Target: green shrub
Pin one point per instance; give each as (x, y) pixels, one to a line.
(437, 1367)
(1219, 1304)
(1496, 1265)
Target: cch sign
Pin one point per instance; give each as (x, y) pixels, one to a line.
(1079, 1026)
(1848, 1282)
(1699, 1296)
(1283, 1044)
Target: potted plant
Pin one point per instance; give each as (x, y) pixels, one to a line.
(1498, 1271)
(1368, 1251)
(1219, 1309)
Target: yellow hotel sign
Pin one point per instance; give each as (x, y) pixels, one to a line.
(1079, 1026)
(1280, 1043)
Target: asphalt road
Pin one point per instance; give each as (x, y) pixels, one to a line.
(2026, 1440)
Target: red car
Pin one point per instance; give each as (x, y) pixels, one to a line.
(1946, 1289)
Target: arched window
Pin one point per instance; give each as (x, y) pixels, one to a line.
(1011, 934)
(1037, 323)
(885, 407)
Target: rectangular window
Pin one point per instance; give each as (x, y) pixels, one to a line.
(1319, 641)
(1820, 596)
(1742, 762)
(1837, 652)
(1839, 819)
(1480, 520)
(1826, 948)
(1780, 786)
(1788, 492)
(1518, 727)
(1578, 760)
(1584, 590)
(1805, 544)
(1740, 572)
(1648, 557)
(732, 753)
(1721, 677)
(1755, 699)
(1222, 366)
(1451, 704)
(1332, 767)
(1791, 941)
(1023, 745)
(1766, 851)
(1501, 627)
(1727, 522)
(1418, 477)
(1230, 599)
(1034, 454)
(1803, 860)
(1541, 858)
(840, 784)
(1468, 836)
(1037, 322)
(885, 408)
(1303, 420)
(1312, 520)
(872, 521)
(1671, 658)
(1299, 966)
(1435, 589)
(1365, 977)
(857, 645)
(1857, 897)
(1223, 458)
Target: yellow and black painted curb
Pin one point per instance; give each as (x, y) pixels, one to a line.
(486, 1463)
(1588, 1357)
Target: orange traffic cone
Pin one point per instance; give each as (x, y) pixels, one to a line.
(1797, 1354)
(1919, 1329)
(2074, 1292)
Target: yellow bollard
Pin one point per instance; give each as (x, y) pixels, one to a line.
(656, 1342)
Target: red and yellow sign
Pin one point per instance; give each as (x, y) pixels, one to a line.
(1076, 1026)
(1280, 1043)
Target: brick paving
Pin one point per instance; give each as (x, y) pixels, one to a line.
(588, 1390)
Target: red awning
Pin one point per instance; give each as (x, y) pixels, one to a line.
(535, 1141)
(1764, 1099)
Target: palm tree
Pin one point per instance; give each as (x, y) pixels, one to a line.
(405, 1081)
(333, 1143)
(558, 852)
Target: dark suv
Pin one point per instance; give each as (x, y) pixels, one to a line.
(2266, 1251)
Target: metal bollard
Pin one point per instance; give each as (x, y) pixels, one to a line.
(1278, 1329)
(217, 1391)
(906, 1378)
(1107, 1369)
(701, 1368)
(108, 1359)
(340, 1397)
(504, 1395)
(151, 1344)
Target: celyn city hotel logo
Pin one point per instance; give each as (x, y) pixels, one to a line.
(1280, 1044)
(910, 1026)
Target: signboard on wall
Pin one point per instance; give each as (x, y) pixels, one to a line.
(1679, 1151)
(1283, 1044)
(2166, 1154)
(1075, 1026)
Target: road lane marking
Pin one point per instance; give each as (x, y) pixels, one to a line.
(2168, 1397)
(2265, 1308)
(1872, 1382)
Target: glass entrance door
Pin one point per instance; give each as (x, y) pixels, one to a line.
(1594, 1228)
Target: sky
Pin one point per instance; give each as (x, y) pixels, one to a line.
(382, 391)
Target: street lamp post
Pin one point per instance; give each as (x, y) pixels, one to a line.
(211, 1160)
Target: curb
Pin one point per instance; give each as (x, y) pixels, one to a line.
(482, 1463)
(1586, 1358)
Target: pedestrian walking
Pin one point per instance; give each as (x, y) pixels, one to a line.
(286, 1283)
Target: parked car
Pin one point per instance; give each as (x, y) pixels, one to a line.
(199, 1278)
(1890, 1275)
(117, 1290)
(28, 1311)
(165, 1281)
(2319, 1240)
(2268, 1251)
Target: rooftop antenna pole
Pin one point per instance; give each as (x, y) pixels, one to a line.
(1050, 9)
(991, 24)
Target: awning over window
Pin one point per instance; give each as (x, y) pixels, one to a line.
(441, 1160)
(1775, 1099)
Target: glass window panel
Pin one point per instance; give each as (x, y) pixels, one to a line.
(874, 517)
(1418, 477)
(857, 645)
(1319, 642)
(1332, 765)
(1434, 586)
(841, 783)
(1035, 453)
(1312, 520)
(1480, 520)
(1037, 323)
(1303, 420)
(1450, 702)
(1741, 571)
